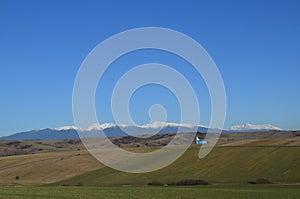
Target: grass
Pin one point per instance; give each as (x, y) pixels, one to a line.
(36, 169)
(230, 164)
(216, 191)
(239, 165)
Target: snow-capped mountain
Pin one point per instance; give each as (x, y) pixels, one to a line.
(66, 128)
(101, 127)
(165, 124)
(109, 129)
(113, 130)
(254, 127)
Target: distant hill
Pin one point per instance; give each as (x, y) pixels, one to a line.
(269, 138)
(44, 134)
(112, 130)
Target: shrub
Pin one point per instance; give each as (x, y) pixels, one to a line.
(189, 182)
(26, 146)
(38, 142)
(155, 183)
(79, 184)
(65, 185)
(261, 181)
(15, 143)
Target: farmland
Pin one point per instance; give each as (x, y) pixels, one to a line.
(64, 169)
(216, 191)
(278, 164)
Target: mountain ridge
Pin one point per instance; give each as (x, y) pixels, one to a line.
(114, 130)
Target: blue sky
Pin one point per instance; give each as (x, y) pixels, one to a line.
(255, 45)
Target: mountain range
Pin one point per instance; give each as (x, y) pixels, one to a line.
(113, 130)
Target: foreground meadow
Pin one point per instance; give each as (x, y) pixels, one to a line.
(212, 191)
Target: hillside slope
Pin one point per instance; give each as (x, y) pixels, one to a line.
(35, 169)
(222, 165)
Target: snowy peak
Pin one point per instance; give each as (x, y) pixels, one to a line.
(114, 130)
(64, 128)
(161, 125)
(254, 127)
(165, 124)
(101, 127)
(98, 127)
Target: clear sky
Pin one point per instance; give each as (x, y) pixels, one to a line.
(255, 44)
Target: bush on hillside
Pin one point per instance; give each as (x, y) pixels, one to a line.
(189, 182)
(261, 181)
(155, 183)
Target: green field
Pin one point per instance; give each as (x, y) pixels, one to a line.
(279, 164)
(216, 191)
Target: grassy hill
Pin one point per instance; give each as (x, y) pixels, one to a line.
(35, 169)
(15, 147)
(225, 164)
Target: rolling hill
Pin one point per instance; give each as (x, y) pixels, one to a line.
(237, 158)
(222, 165)
(37, 169)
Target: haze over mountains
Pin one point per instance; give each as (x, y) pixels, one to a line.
(113, 130)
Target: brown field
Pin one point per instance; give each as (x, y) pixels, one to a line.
(35, 169)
